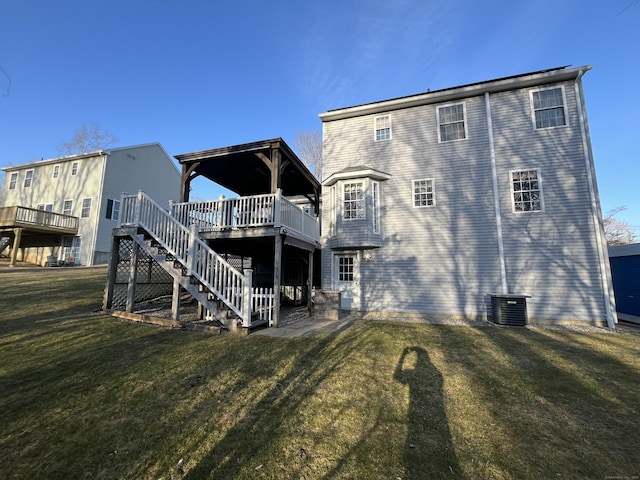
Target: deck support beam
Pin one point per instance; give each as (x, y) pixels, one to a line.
(114, 259)
(277, 274)
(310, 283)
(17, 237)
(175, 300)
(133, 275)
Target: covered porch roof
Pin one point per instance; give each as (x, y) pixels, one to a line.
(251, 169)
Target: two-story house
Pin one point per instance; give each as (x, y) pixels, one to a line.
(63, 210)
(436, 203)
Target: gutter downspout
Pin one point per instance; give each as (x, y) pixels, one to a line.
(605, 276)
(496, 197)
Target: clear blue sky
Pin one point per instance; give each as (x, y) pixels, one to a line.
(195, 75)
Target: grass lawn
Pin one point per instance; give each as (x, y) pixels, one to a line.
(84, 395)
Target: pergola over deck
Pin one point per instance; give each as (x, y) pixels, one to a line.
(252, 169)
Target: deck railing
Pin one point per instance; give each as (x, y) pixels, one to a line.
(244, 212)
(33, 217)
(204, 264)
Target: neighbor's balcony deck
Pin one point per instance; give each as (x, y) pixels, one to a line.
(255, 211)
(37, 220)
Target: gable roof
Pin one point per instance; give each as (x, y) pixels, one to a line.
(541, 77)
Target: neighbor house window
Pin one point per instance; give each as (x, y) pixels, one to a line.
(549, 108)
(74, 168)
(86, 207)
(451, 124)
(67, 207)
(56, 171)
(113, 209)
(353, 199)
(28, 178)
(527, 191)
(423, 193)
(13, 179)
(383, 128)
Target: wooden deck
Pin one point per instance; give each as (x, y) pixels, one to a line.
(37, 221)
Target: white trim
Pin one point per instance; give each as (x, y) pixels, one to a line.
(375, 206)
(364, 198)
(564, 107)
(464, 121)
(376, 129)
(14, 180)
(496, 197)
(75, 165)
(82, 207)
(605, 273)
(355, 174)
(71, 209)
(413, 192)
(26, 177)
(56, 171)
(513, 203)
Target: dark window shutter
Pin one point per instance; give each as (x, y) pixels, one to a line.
(109, 208)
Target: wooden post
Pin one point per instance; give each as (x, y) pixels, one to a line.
(175, 300)
(310, 284)
(277, 268)
(114, 259)
(247, 300)
(133, 273)
(17, 236)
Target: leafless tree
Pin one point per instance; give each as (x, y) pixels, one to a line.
(309, 147)
(87, 138)
(618, 232)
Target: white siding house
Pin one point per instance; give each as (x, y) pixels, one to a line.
(88, 186)
(434, 202)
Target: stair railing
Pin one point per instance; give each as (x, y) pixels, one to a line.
(184, 245)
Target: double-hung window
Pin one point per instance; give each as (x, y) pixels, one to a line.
(86, 207)
(382, 128)
(113, 209)
(353, 201)
(67, 207)
(74, 169)
(451, 122)
(28, 179)
(423, 193)
(549, 108)
(526, 190)
(56, 171)
(13, 180)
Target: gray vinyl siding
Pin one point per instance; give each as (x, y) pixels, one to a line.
(444, 259)
(550, 255)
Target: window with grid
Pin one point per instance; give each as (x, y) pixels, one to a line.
(13, 180)
(74, 168)
(451, 124)
(113, 209)
(383, 128)
(549, 108)
(345, 269)
(56, 171)
(353, 201)
(67, 207)
(28, 178)
(86, 208)
(527, 191)
(375, 203)
(423, 193)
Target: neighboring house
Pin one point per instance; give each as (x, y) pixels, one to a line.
(434, 202)
(625, 270)
(64, 210)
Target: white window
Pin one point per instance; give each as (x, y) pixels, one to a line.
(86, 207)
(28, 179)
(56, 171)
(67, 207)
(526, 190)
(383, 128)
(13, 179)
(375, 201)
(353, 201)
(113, 209)
(71, 250)
(47, 207)
(423, 193)
(451, 123)
(346, 268)
(549, 108)
(74, 168)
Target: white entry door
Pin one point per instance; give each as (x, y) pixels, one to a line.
(347, 280)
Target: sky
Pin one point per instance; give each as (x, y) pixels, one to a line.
(201, 74)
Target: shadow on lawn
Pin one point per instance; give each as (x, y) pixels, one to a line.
(428, 437)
